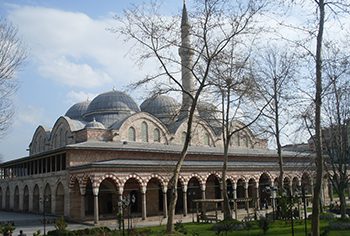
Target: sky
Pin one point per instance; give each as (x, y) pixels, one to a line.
(71, 57)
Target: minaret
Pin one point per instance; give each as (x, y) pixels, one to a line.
(186, 54)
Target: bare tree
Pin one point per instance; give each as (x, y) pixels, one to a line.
(12, 56)
(214, 25)
(275, 70)
(240, 106)
(334, 7)
(336, 110)
(324, 10)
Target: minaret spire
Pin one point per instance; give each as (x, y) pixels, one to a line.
(186, 54)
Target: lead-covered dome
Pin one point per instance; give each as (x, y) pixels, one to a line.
(77, 111)
(110, 107)
(161, 106)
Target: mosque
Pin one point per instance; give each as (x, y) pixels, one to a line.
(103, 150)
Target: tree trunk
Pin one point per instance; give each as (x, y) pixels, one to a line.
(318, 141)
(173, 184)
(277, 136)
(342, 203)
(227, 207)
(177, 169)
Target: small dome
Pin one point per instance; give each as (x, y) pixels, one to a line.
(161, 106)
(94, 125)
(108, 108)
(77, 110)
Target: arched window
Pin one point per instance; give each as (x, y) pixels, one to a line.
(238, 139)
(156, 135)
(244, 140)
(206, 139)
(247, 141)
(66, 137)
(61, 138)
(131, 134)
(56, 141)
(41, 144)
(183, 137)
(144, 132)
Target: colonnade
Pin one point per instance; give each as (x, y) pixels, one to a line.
(98, 198)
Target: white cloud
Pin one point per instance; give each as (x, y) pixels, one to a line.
(79, 96)
(29, 115)
(74, 74)
(73, 49)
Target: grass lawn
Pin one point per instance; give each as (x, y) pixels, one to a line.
(276, 228)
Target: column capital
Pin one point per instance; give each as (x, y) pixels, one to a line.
(120, 190)
(234, 185)
(246, 185)
(203, 187)
(82, 191)
(95, 191)
(143, 189)
(164, 189)
(184, 188)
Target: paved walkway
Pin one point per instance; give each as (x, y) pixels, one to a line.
(30, 223)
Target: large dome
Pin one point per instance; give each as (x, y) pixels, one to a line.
(110, 107)
(161, 106)
(77, 110)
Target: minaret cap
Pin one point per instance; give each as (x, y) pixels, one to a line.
(184, 20)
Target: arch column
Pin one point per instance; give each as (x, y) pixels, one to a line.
(143, 203)
(165, 202)
(246, 190)
(184, 196)
(221, 184)
(82, 202)
(273, 195)
(348, 191)
(203, 191)
(234, 196)
(257, 197)
(96, 214)
(120, 199)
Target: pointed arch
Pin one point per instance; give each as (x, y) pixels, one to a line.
(36, 196)
(47, 198)
(59, 199)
